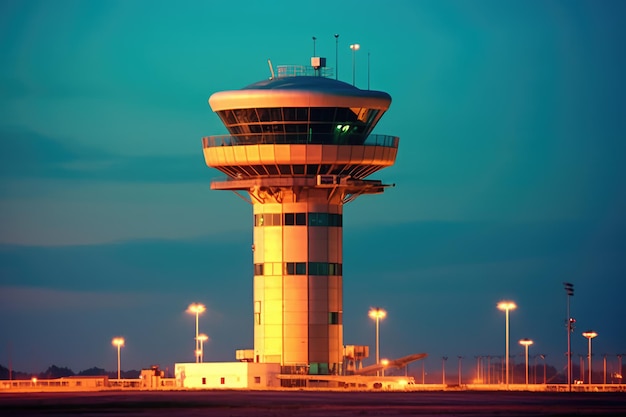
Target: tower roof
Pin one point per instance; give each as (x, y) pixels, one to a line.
(299, 91)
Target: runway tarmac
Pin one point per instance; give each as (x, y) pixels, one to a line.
(311, 403)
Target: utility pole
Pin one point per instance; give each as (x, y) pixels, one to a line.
(569, 289)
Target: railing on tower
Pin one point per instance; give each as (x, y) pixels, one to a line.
(303, 71)
(282, 139)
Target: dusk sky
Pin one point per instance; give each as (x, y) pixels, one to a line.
(510, 176)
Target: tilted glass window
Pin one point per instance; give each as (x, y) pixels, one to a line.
(300, 125)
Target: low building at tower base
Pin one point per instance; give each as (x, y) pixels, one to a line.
(253, 375)
(227, 375)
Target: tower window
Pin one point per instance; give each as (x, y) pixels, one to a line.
(295, 268)
(257, 312)
(334, 317)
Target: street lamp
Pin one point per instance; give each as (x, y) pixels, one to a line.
(377, 314)
(590, 334)
(507, 306)
(385, 363)
(119, 342)
(443, 369)
(543, 356)
(202, 338)
(526, 343)
(196, 309)
(355, 47)
(569, 290)
(460, 359)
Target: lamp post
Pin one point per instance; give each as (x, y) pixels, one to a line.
(119, 342)
(526, 343)
(355, 47)
(196, 309)
(590, 334)
(582, 368)
(377, 314)
(443, 369)
(604, 368)
(543, 356)
(569, 290)
(202, 338)
(507, 306)
(385, 363)
(460, 359)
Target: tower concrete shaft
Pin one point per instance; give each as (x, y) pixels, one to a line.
(300, 147)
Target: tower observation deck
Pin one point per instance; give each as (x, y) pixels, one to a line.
(300, 147)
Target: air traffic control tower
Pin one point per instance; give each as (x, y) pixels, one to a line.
(300, 147)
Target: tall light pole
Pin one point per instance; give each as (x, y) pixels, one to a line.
(385, 363)
(543, 356)
(460, 359)
(507, 306)
(336, 56)
(196, 309)
(355, 47)
(377, 314)
(526, 343)
(569, 290)
(443, 369)
(582, 368)
(202, 338)
(604, 368)
(119, 342)
(590, 334)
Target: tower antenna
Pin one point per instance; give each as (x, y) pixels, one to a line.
(336, 56)
(314, 39)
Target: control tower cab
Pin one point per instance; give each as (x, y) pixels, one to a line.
(300, 146)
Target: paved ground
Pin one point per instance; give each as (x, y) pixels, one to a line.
(317, 403)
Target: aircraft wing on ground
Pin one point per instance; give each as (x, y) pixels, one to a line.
(395, 363)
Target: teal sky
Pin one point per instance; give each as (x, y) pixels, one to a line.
(510, 178)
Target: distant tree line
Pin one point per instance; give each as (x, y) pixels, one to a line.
(54, 372)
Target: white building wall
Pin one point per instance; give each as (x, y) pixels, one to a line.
(227, 375)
